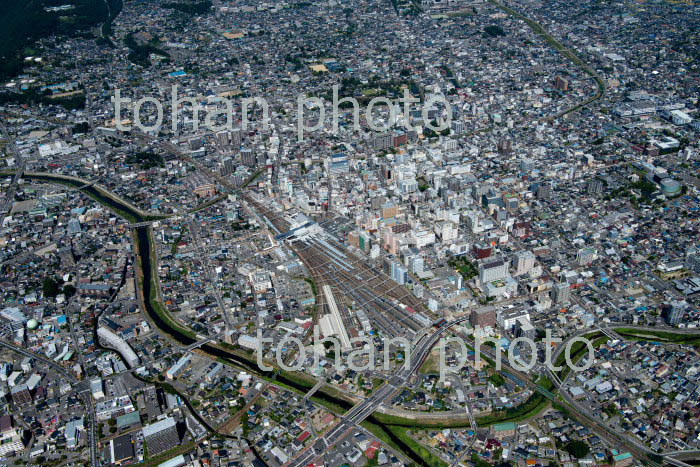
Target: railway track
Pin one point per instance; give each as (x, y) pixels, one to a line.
(330, 263)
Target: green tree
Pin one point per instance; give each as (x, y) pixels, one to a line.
(68, 290)
(50, 287)
(577, 448)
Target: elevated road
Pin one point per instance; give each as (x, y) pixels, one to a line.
(382, 395)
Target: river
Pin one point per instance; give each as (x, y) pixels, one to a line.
(143, 243)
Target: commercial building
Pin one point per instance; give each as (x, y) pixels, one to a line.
(161, 436)
(507, 319)
(74, 428)
(492, 270)
(482, 317)
(525, 329)
(108, 338)
(121, 449)
(114, 407)
(399, 273)
(97, 388)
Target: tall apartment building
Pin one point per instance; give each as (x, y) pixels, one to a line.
(561, 84)
(248, 157)
(227, 166)
(673, 312)
(382, 141)
(561, 293)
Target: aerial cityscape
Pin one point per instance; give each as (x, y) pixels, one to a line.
(350, 233)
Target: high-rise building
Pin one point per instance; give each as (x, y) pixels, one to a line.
(448, 231)
(236, 137)
(595, 186)
(248, 157)
(227, 166)
(223, 138)
(523, 261)
(505, 145)
(483, 317)
(66, 255)
(585, 256)
(399, 273)
(389, 210)
(408, 186)
(416, 264)
(561, 293)
(561, 84)
(481, 250)
(673, 312)
(382, 141)
(507, 319)
(364, 242)
(492, 270)
(399, 138)
(457, 126)
(354, 239)
(472, 220)
(524, 328)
